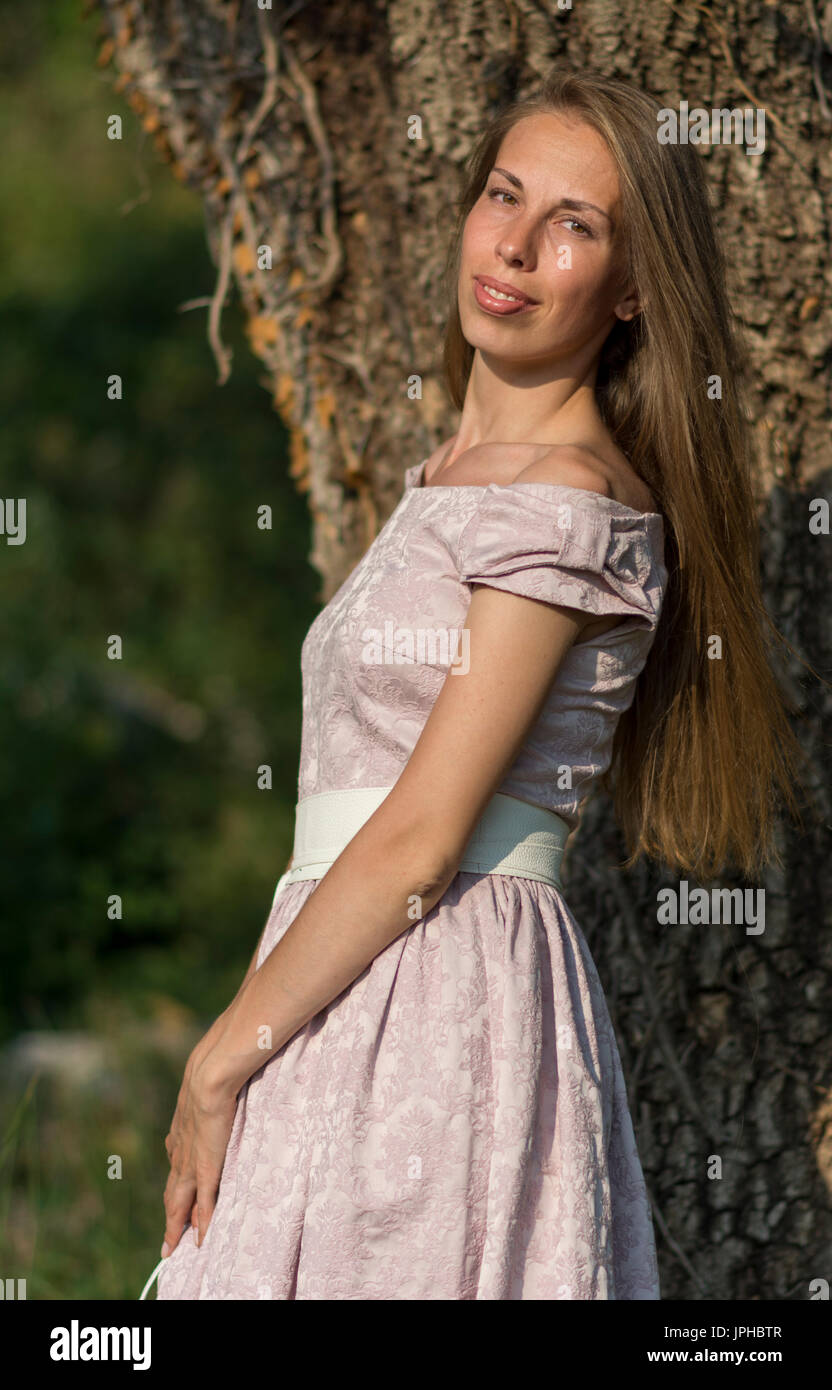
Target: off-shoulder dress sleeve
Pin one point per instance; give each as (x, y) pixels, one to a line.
(566, 546)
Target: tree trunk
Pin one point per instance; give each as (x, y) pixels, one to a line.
(295, 126)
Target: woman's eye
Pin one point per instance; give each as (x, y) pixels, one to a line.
(579, 224)
(504, 193)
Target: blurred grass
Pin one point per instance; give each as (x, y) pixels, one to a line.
(136, 777)
(83, 1166)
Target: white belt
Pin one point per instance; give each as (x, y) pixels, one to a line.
(511, 836)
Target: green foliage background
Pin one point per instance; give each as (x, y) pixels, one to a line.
(135, 777)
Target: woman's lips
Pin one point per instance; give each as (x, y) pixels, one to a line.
(492, 305)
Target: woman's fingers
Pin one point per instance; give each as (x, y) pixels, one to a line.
(179, 1199)
(208, 1181)
(217, 1119)
(196, 1147)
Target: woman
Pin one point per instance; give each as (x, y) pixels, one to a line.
(417, 1093)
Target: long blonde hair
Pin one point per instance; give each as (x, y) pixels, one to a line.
(705, 747)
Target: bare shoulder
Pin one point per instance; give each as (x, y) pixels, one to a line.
(575, 465)
(605, 471)
(507, 462)
(570, 465)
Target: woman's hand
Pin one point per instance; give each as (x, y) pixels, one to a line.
(197, 1143)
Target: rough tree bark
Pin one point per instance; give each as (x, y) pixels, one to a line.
(293, 124)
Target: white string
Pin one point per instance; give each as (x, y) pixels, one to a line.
(147, 1287)
(143, 1295)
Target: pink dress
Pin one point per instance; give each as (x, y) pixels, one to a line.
(455, 1124)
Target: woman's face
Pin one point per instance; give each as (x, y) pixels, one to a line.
(546, 225)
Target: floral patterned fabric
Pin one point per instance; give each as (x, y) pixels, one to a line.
(455, 1124)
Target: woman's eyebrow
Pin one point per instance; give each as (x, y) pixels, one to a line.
(574, 203)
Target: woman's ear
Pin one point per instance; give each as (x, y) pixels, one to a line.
(628, 308)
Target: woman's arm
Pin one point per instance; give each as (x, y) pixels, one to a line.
(401, 861)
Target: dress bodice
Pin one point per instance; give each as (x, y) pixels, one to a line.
(375, 658)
